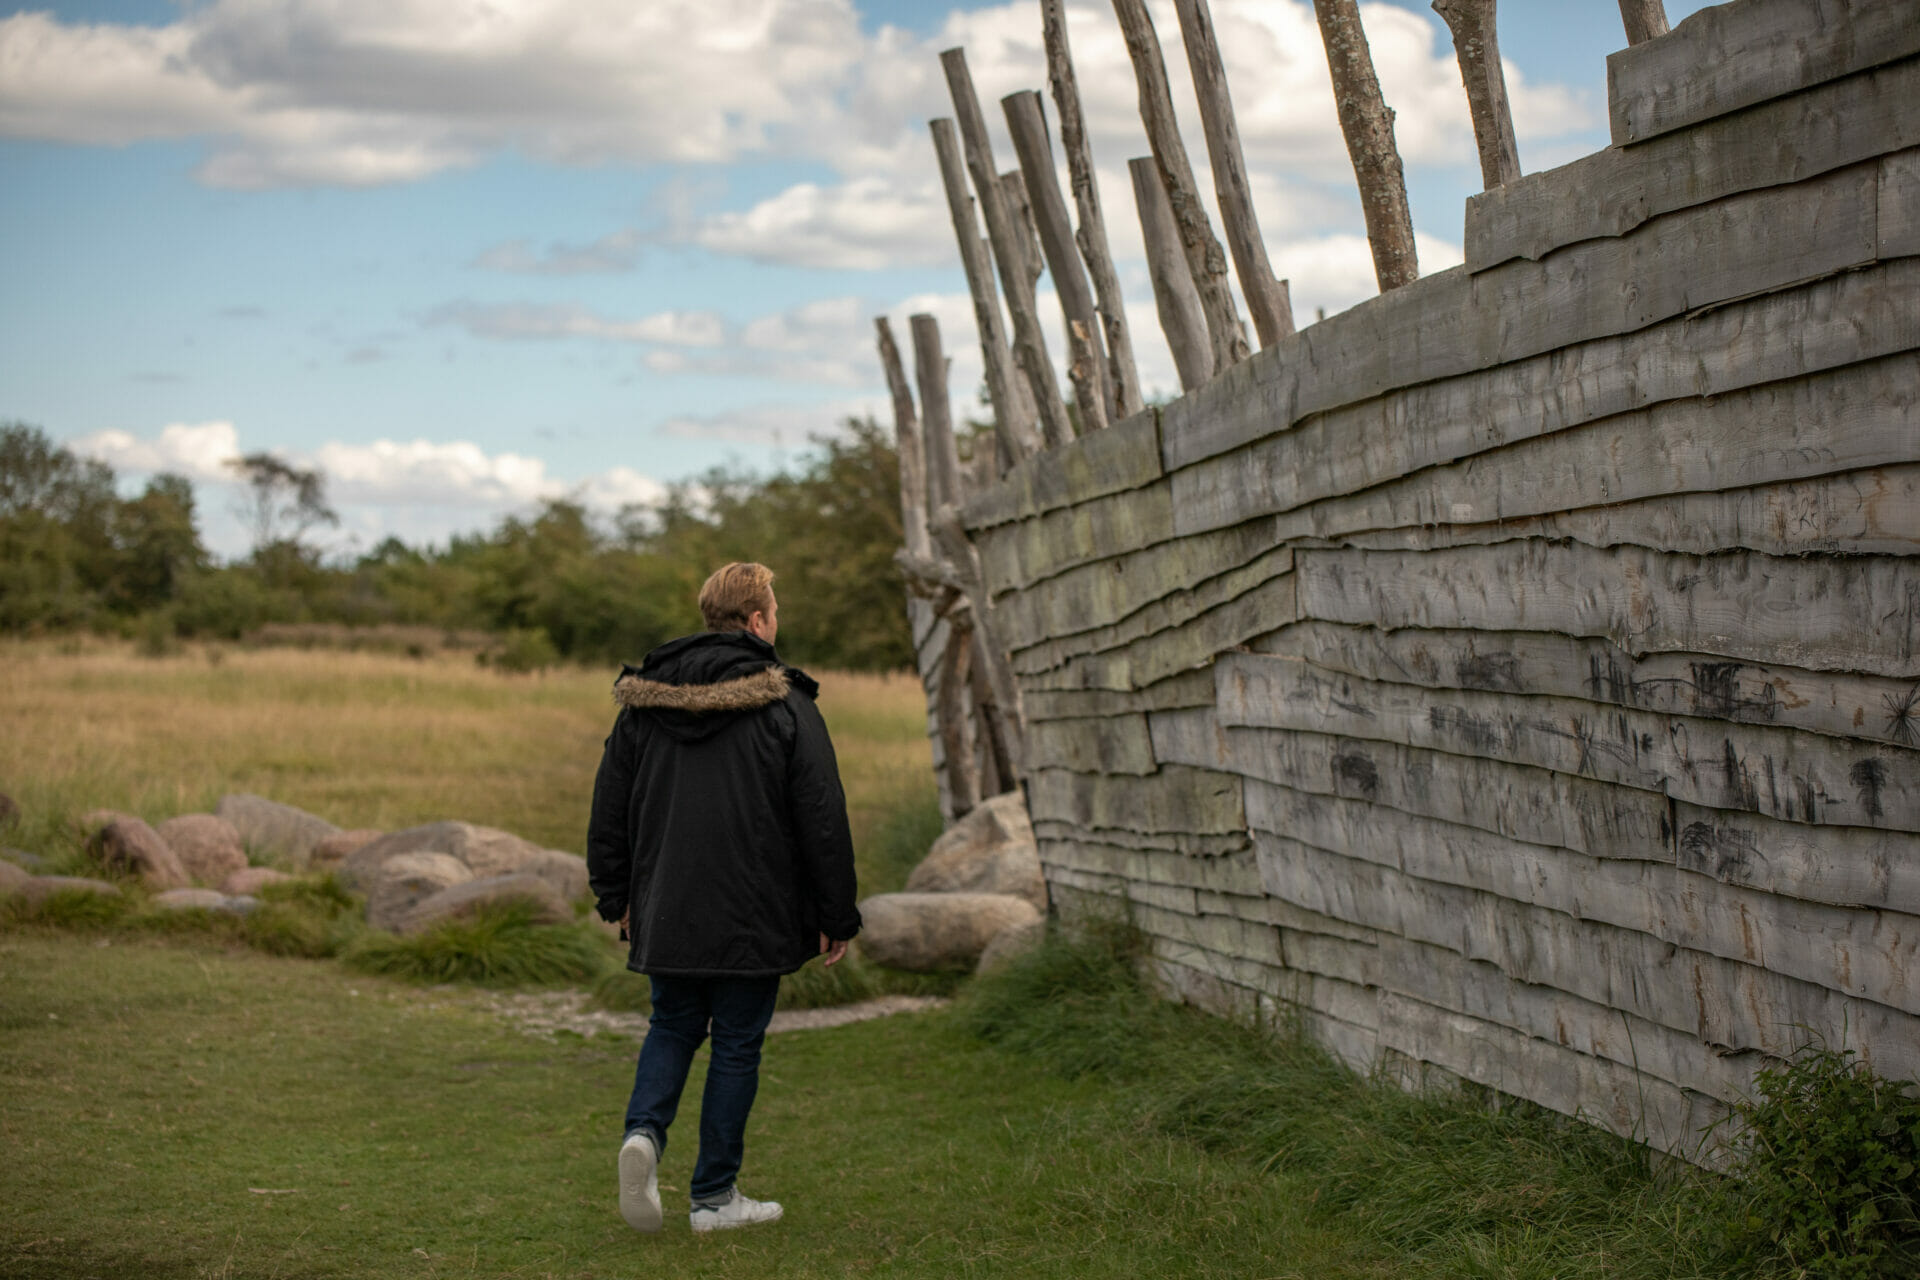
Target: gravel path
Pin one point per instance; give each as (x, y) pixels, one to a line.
(543, 1013)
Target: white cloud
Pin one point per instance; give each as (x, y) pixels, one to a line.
(864, 224)
(613, 253)
(519, 321)
(198, 451)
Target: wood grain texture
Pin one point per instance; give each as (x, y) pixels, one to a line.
(1783, 773)
(1452, 323)
(1107, 744)
(1900, 203)
(1183, 322)
(1185, 843)
(1026, 551)
(1176, 799)
(1843, 705)
(1367, 124)
(1164, 653)
(1233, 873)
(1186, 689)
(1848, 319)
(1872, 954)
(1823, 613)
(1613, 191)
(1737, 55)
(1476, 47)
(1125, 456)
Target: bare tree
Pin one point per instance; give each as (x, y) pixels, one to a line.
(282, 501)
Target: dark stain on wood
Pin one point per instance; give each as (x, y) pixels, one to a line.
(1355, 774)
(1494, 672)
(1868, 778)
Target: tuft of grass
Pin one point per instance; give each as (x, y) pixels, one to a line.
(498, 946)
(1441, 1179)
(814, 986)
(899, 841)
(69, 909)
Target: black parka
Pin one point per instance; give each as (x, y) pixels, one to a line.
(718, 814)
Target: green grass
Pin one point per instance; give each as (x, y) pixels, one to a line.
(499, 946)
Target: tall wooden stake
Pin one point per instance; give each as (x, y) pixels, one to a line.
(1123, 380)
(1030, 345)
(1268, 298)
(1476, 44)
(1012, 415)
(944, 484)
(908, 443)
(956, 720)
(1367, 122)
(1013, 189)
(1644, 19)
(1205, 258)
(1173, 295)
(1086, 369)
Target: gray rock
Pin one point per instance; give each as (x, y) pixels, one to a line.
(208, 847)
(39, 888)
(991, 850)
(407, 878)
(566, 872)
(464, 899)
(240, 904)
(248, 881)
(269, 827)
(485, 851)
(191, 900)
(12, 879)
(1011, 942)
(925, 932)
(333, 850)
(128, 844)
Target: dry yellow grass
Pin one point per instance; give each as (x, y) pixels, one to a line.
(369, 739)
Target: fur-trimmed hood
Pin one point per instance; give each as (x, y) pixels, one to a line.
(742, 693)
(695, 685)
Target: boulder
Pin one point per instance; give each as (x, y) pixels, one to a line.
(267, 826)
(485, 851)
(39, 888)
(925, 932)
(1009, 943)
(191, 900)
(991, 850)
(407, 878)
(12, 879)
(128, 844)
(208, 847)
(248, 881)
(89, 823)
(332, 851)
(566, 872)
(464, 899)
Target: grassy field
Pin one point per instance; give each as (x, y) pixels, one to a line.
(374, 740)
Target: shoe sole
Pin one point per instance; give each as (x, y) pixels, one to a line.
(639, 1194)
(743, 1222)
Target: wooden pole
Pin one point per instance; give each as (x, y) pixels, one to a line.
(1173, 295)
(1367, 122)
(956, 721)
(908, 443)
(997, 774)
(1012, 419)
(1123, 380)
(1087, 367)
(944, 485)
(1644, 19)
(1013, 189)
(1205, 258)
(1268, 298)
(1029, 344)
(1476, 44)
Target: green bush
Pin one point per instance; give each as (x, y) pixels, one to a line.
(1831, 1178)
(522, 650)
(498, 946)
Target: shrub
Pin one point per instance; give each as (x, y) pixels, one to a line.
(496, 946)
(1831, 1178)
(521, 651)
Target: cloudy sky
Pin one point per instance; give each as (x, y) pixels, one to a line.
(466, 254)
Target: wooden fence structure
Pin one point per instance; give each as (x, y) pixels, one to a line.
(1516, 676)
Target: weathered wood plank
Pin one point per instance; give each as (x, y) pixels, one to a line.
(1224, 934)
(1187, 689)
(1188, 844)
(1110, 744)
(1172, 898)
(1872, 954)
(1822, 613)
(1234, 873)
(1158, 616)
(1528, 804)
(1257, 995)
(1846, 866)
(1870, 512)
(1103, 593)
(1125, 456)
(1527, 662)
(1195, 801)
(1737, 55)
(1452, 323)
(1613, 191)
(1845, 419)
(1900, 203)
(1163, 653)
(1026, 551)
(1603, 1092)
(1784, 773)
(1721, 1002)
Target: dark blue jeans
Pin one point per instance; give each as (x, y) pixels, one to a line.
(737, 1010)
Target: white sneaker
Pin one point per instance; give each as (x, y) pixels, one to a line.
(739, 1211)
(640, 1182)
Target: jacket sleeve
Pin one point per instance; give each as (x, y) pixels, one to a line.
(819, 811)
(609, 852)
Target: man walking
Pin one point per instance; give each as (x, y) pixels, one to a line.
(719, 841)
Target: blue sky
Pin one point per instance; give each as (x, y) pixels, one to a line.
(464, 256)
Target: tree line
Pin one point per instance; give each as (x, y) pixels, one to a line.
(559, 583)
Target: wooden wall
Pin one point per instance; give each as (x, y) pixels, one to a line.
(1518, 674)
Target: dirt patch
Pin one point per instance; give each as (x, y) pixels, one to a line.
(546, 1013)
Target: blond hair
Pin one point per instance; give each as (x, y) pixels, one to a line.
(734, 593)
